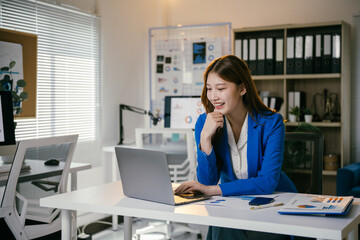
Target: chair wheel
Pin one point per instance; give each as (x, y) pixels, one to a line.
(136, 236)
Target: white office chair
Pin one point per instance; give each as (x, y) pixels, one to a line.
(176, 143)
(20, 205)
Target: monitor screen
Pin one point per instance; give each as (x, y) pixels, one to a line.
(182, 111)
(7, 131)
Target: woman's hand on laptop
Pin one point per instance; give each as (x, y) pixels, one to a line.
(193, 186)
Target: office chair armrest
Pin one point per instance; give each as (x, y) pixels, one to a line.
(22, 215)
(347, 178)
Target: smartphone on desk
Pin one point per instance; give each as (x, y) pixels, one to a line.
(261, 201)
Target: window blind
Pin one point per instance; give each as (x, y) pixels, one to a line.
(68, 73)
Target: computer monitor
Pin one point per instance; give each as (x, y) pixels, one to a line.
(7, 130)
(182, 111)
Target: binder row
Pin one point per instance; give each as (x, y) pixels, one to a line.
(273, 102)
(308, 50)
(263, 52)
(313, 52)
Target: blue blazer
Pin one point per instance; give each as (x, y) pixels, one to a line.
(264, 155)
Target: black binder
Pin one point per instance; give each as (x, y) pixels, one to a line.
(318, 51)
(238, 48)
(300, 101)
(309, 54)
(279, 55)
(336, 53)
(290, 52)
(269, 56)
(275, 103)
(299, 54)
(326, 54)
(245, 50)
(252, 56)
(260, 64)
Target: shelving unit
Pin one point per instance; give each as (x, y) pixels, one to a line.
(336, 134)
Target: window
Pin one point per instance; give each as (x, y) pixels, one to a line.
(68, 73)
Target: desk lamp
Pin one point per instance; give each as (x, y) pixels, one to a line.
(154, 117)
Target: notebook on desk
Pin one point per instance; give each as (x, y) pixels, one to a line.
(145, 175)
(318, 204)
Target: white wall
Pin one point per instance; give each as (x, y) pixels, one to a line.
(355, 89)
(251, 13)
(125, 27)
(124, 30)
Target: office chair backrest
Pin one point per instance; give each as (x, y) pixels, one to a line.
(20, 155)
(303, 160)
(179, 146)
(24, 216)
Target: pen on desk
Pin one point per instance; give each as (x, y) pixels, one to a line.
(267, 205)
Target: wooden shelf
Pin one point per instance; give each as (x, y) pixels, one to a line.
(302, 171)
(268, 77)
(329, 173)
(308, 171)
(297, 76)
(314, 76)
(316, 124)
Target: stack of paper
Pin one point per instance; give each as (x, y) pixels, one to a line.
(317, 204)
(5, 168)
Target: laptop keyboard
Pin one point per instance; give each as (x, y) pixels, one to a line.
(190, 195)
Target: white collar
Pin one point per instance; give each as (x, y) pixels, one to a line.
(243, 134)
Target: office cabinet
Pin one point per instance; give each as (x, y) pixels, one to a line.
(312, 59)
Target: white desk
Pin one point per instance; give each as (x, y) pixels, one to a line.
(114, 175)
(39, 170)
(109, 199)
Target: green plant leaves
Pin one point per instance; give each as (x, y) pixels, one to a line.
(21, 83)
(6, 85)
(24, 96)
(12, 64)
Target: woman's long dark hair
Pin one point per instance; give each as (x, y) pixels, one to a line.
(232, 69)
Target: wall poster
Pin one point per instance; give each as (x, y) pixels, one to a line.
(179, 57)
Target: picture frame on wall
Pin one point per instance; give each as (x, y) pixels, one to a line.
(18, 70)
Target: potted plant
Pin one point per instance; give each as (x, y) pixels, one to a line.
(294, 114)
(308, 115)
(7, 83)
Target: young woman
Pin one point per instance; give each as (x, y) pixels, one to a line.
(239, 140)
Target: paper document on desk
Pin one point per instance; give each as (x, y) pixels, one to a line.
(238, 202)
(317, 204)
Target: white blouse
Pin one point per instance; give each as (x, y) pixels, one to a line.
(238, 152)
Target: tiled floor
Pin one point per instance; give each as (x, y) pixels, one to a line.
(109, 234)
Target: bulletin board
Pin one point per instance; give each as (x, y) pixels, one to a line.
(179, 56)
(28, 43)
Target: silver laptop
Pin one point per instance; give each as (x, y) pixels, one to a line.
(145, 175)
